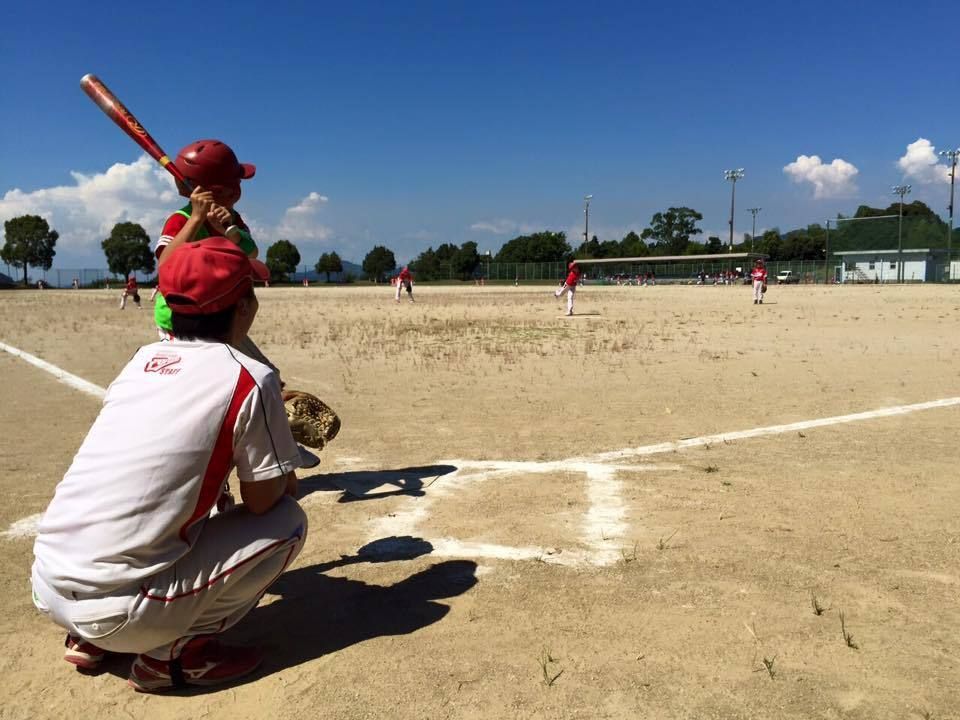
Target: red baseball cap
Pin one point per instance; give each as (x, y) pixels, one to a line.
(207, 276)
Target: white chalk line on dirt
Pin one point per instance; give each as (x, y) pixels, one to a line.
(603, 524)
(25, 528)
(78, 383)
(705, 440)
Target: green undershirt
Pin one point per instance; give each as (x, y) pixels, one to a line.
(162, 315)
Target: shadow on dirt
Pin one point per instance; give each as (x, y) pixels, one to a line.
(374, 484)
(316, 615)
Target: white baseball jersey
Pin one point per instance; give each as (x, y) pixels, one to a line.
(173, 425)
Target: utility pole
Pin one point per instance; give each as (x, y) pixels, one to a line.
(586, 218)
(951, 156)
(900, 190)
(826, 257)
(753, 233)
(732, 176)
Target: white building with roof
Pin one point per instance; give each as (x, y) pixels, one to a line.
(881, 266)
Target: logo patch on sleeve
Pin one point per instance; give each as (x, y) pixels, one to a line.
(163, 363)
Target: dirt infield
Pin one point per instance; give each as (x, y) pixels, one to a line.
(508, 552)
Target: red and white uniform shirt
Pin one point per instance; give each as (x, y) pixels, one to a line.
(573, 277)
(137, 496)
(759, 273)
(132, 285)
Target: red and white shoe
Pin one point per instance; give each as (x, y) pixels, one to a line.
(203, 661)
(85, 655)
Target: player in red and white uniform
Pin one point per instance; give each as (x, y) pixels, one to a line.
(131, 290)
(570, 285)
(759, 275)
(129, 557)
(405, 282)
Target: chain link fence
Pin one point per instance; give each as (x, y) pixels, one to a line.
(839, 269)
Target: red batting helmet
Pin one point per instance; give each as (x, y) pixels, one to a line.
(212, 163)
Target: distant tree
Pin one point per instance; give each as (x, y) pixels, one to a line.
(465, 261)
(714, 245)
(282, 259)
(589, 249)
(378, 263)
(633, 246)
(28, 241)
(922, 228)
(543, 246)
(768, 244)
(128, 249)
(329, 263)
(672, 230)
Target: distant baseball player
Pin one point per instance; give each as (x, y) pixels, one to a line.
(405, 282)
(570, 285)
(759, 275)
(130, 290)
(128, 556)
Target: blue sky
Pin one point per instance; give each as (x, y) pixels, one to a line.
(416, 123)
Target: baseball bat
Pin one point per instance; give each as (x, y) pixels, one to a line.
(115, 110)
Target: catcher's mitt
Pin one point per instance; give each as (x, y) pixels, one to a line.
(764, 288)
(312, 422)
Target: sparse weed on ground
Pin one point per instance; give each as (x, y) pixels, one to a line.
(847, 635)
(664, 543)
(818, 609)
(546, 661)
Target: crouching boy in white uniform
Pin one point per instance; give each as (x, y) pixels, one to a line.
(128, 557)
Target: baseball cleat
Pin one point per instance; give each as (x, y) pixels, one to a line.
(85, 655)
(203, 661)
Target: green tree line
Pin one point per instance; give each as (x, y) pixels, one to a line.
(30, 242)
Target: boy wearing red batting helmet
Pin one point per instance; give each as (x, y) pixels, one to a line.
(216, 173)
(213, 168)
(129, 557)
(570, 285)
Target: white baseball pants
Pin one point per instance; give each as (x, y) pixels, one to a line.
(758, 289)
(571, 291)
(222, 578)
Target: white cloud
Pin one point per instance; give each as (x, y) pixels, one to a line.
(920, 163)
(142, 192)
(833, 180)
(85, 212)
(301, 222)
(503, 226)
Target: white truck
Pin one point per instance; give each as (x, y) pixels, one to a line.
(786, 277)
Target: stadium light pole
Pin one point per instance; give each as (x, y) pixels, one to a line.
(732, 176)
(900, 190)
(586, 217)
(951, 156)
(753, 233)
